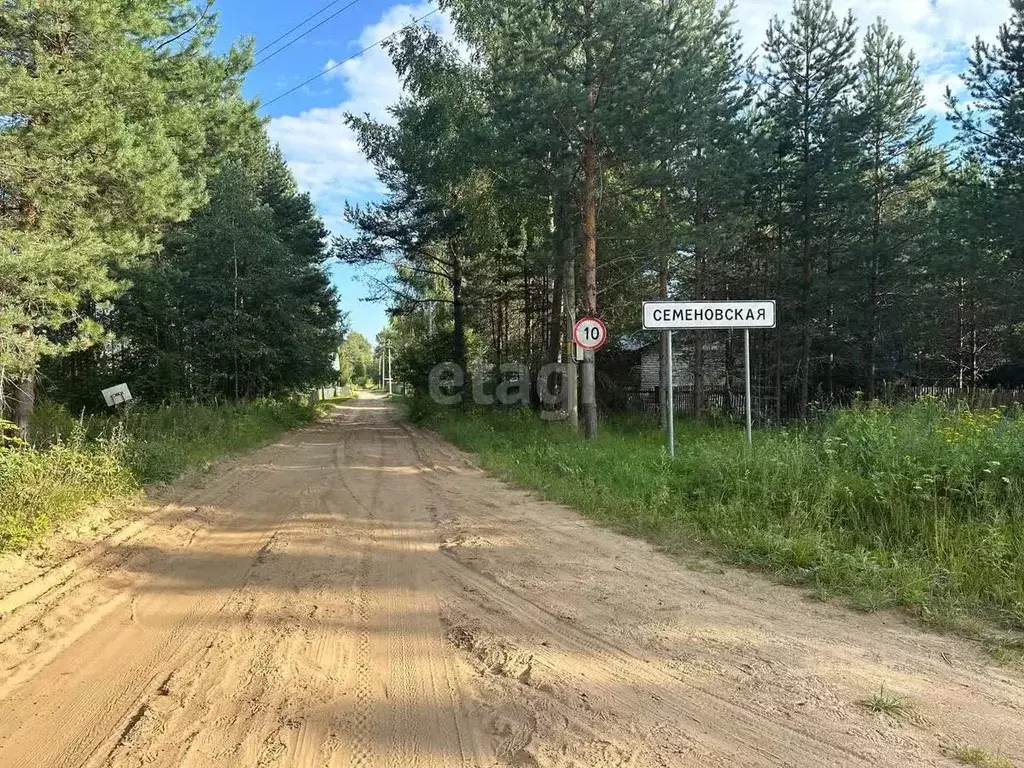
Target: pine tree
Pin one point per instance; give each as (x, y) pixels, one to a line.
(437, 226)
(695, 142)
(574, 78)
(991, 126)
(238, 304)
(961, 314)
(895, 143)
(111, 116)
(806, 106)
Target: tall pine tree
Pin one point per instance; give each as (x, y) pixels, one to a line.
(895, 141)
(807, 95)
(112, 114)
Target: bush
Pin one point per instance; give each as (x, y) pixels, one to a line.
(78, 462)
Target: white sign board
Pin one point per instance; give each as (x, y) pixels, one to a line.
(117, 395)
(708, 315)
(590, 334)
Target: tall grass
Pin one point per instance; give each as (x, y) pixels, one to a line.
(76, 462)
(920, 506)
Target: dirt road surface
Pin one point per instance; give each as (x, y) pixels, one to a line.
(359, 594)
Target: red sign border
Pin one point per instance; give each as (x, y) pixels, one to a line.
(575, 334)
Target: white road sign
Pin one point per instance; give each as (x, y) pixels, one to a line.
(681, 315)
(590, 333)
(117, 395)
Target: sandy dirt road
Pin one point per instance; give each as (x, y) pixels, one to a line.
(358, 594)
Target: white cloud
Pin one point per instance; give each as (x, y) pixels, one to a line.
(321, 150)
(935, 85)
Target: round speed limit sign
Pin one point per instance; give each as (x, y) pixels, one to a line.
(590, 334)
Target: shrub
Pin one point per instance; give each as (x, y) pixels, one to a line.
(76, 462)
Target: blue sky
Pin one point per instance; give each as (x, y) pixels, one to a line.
(309, 124)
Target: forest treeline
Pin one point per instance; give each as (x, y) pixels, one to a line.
(149, 232)
(567, 158)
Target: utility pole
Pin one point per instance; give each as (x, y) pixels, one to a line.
(385, 367)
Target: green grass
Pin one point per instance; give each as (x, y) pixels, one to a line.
(886, 703)
(81, 461)
(981, 757)
(919, 506)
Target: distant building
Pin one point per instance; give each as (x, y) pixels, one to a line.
(682, 358)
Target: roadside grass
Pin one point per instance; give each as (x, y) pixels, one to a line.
(325, 405)
(887, 703)
(77, 462)
(979, 756)
(919, 506)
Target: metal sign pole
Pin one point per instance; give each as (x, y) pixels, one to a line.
(746, 367)
(670, 398)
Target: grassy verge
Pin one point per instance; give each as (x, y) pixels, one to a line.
(919, 506)
(83, 461)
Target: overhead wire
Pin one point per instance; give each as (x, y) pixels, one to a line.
(283, 35)
(347, 59)
(294, 40)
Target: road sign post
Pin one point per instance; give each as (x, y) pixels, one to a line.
(746, 368)
(668, 316)
(670, 400)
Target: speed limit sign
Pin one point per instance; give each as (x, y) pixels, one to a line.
(590, 334)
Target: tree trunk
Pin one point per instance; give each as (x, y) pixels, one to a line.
(571, 382)
(961, 363)
(808, 269)
(830, 326)
(459, 345)
(555, 319)
(589, 395)
(528, 311)
(24, 391)
(873, 281)
(805, 341)
(556, 316)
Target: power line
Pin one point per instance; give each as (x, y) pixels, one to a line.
(317, 76)
(292, 42)
(284, 35)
